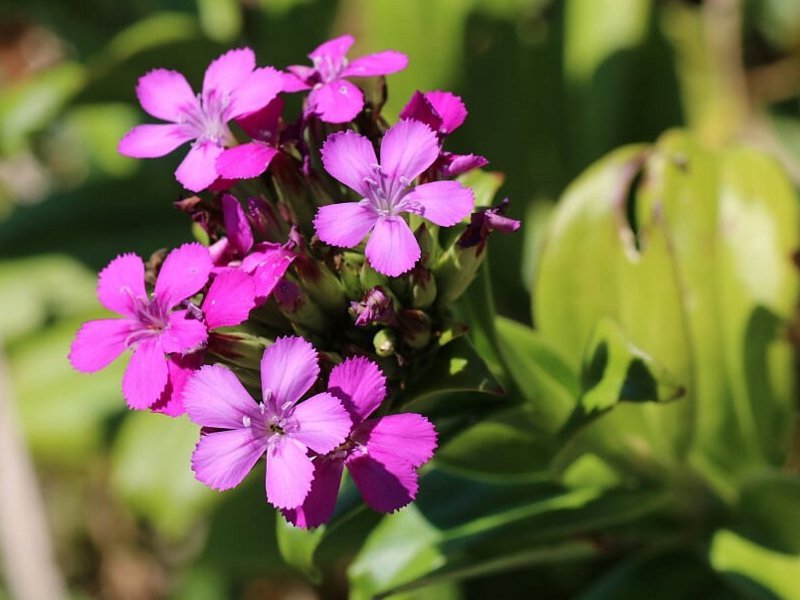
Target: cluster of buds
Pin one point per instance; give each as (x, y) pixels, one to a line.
(318, 281)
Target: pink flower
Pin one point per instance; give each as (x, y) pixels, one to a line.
(232, 88)
(381, 454)
(150, 326)
(407, 149)
(265, 262)
(444, 113)
(332, 97)
(242, 431)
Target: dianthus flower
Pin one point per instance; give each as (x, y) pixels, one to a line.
(332, 97)
(387, 191)
(150, 326)
(240, 431)
(382, 454)
(232, 87)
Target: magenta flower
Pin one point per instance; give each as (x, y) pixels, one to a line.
(150, 326)
(242, 431)
(444, 113)
(265, 262)
(232, 88)
(332, 97)
(407, 149)
(381, 454)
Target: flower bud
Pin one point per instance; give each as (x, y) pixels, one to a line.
(322, 285)
(237, 348)
(298, 308)
(423, 287)
(349, 269)
(376, 307)
(384, 342)
(416, 328)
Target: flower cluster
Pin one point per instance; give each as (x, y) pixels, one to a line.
(338, 249)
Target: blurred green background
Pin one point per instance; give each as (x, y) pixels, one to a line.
(551, 87)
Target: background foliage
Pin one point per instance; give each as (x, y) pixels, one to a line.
(647, 443)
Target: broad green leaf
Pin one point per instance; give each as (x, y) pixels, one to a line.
(297, 546)
(151, 471)
(768, 505)
(595, 264)
(459, 527)
(759, 572)
(160, 29)
(614, 370)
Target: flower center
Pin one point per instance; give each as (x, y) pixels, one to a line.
(329, 68)
(208, 120)
(152, 317)
(387, 194)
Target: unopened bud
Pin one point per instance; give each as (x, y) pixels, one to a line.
(349, 269)
(237, 348)
(416, 328)
(376, 307)
(298, 307)
(322, 285)
(384, 342)
(423, 287)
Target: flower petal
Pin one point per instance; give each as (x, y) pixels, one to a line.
(407, 149)
(152, 141)
(146, 375)
(263, 124)
(199, 169)
(333, 49)
(236, 225)
(450, 108)
(289, 473)
(267, 264)
(296, 80)
(361, 386)
(214, 397)
(350, 158)
(179, 368)
(222, 459)
(442, 202)
(229, 300)
(165, 94)
(245, 161)
(98, 343)
(338, 101)
(184, 333)
(405, 437)
(456, 164)
(120, 283)
(228, 71)
(420, 109)
(318, 506)
(385, 488)
(380, 63)
(323, 423)
(288, 368)
(346, 224)
(392, 249)
(256, 91)
(184, 273)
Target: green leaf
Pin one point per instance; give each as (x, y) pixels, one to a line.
(759, 572)
(484, 185)
(221, 19)
(614, 370)
(768, 503)
(297, 546)
(151, 471)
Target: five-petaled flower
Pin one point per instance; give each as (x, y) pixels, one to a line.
(407, 149)
(382, 454)
(232, 88)
(332, 97)
(151, 326)
(240, 431)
